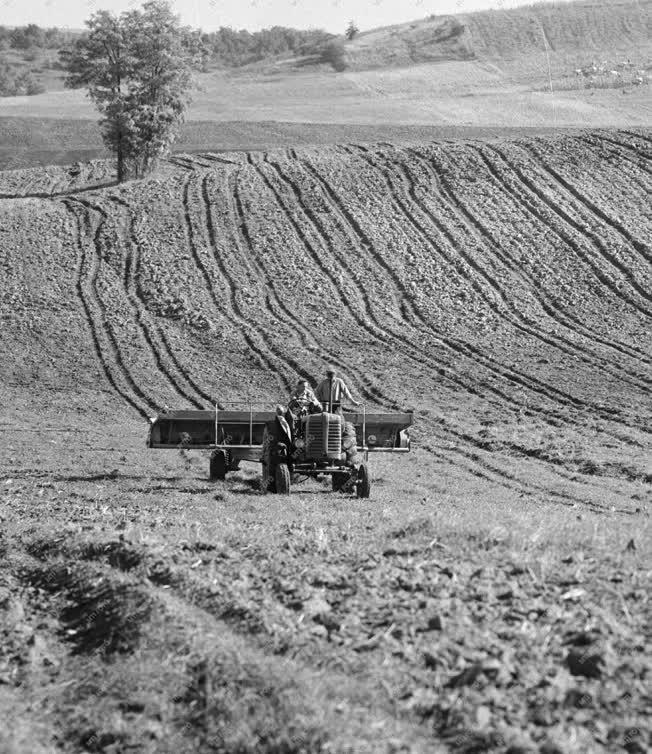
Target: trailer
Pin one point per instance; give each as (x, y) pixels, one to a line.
(318, 444)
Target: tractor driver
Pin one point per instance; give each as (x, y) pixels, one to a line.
(303, 400)
(331, 390)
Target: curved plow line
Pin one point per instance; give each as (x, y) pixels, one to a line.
(360, 239)
(241, 240)
(152, 334)
(624, 152)
(373, 326)
(467, 440)
(417, 353)
(503, 395)
(108, 328)
(643, 249)
(278, 309)
(242, 326)
(539, 196)
(399, 340)
(548, 305)
(530, 205)
(509, 479)
(91, 319)
(520, 378)
(479, 232)
(132, 265)
(576, 228)
(642, 137)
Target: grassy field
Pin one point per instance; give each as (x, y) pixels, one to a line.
(490, 596)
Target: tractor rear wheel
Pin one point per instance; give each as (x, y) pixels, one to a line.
(218, 464)
(282, 479)
(363, 482)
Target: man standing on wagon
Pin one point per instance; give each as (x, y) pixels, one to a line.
(331, 390)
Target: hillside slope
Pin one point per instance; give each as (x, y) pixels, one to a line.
(491, 595)
(581, 29)
(489, 285)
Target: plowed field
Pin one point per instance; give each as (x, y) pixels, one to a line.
(491, 594)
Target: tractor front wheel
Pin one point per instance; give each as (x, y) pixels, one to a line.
(218, 465)
(282, 479)
(363, 482)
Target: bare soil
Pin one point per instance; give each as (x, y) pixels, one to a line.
(492, 595)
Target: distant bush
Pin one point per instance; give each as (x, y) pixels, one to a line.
(335, 54)
(31, 54)
(230, 48)
(13, 83)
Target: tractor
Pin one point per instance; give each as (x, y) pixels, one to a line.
(314, 445)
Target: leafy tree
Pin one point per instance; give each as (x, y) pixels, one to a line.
(351, 31)
(138, 70)
(335, 54)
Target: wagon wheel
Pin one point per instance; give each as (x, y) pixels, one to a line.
(282, 478)
(363, 482)
(268, 482)
(218, 464)
(339, 479)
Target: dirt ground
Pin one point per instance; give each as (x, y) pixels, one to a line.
(492, 594)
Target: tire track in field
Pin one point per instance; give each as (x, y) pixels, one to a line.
(139, 311)
(643, 249)
(576, 227)
(547, 303)
(525, 381)
(274, 300)
(479, 233)
(373, 327)
(347, 220)
(640, 136)
(625, 152)
(87, 292)
(469, 459)
(227, 308)
(156, 339)
(478, 229)
(505, 478)
(241, 239)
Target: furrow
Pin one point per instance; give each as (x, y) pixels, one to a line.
(642, 248)
(478, 230)
(85, 285)
(402, 342)
(226, 309)
(547, 303)
(576, 245)
(346, 217)
(449, 344)
(240, 316)
(516, 376)
(282, 313)
(624, 151)
(153, 335)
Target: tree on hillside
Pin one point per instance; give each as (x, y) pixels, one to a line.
(351, 31)
(138, 70)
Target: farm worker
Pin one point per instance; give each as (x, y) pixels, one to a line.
(303, 400)
(331, 390)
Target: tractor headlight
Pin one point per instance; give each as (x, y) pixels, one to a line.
(300, 443)
(371, 440)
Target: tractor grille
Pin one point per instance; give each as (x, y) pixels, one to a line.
(324, 436)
